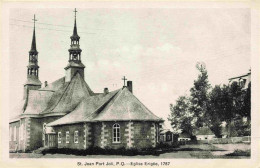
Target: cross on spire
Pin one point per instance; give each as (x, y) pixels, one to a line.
(75, 12)
(124, 79)
(34, 20)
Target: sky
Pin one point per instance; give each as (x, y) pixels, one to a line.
(156, 48)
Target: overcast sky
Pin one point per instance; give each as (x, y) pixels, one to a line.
(155, 48)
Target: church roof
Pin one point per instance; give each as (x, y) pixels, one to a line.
(119, 105)
(57, 97)
(85, 111)
(83, 105)
(125, 106)
(17, 110)
(54, 86)
(37, 101)
(68, 96)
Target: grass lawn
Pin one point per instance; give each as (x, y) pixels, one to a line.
(185, 151)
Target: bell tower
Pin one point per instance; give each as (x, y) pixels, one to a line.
(32, 82)
(74, 64)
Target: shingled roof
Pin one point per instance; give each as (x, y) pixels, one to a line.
(119, 105)
(37, 101)
(204, 131)
(54, 86)
(83, 105)
(125, 106)
(69, 95)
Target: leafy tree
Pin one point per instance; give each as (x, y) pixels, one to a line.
(214, 110)
(246, 109)
(181, 118)
(199, 96)
(205, 107)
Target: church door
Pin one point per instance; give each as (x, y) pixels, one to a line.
(52, 139)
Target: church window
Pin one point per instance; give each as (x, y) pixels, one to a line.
(10, 133)
(116, 133)
(14, 133)
(76, 137)
(59, 137)
(21, 132)
(67, 137)
(43, 131)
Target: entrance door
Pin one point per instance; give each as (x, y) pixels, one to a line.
(52, 139)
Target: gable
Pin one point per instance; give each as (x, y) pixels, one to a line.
(37, 101)
(69, 95)
(125, 106)
(86, 109)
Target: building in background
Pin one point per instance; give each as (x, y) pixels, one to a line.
(204, 133)
(242, 80)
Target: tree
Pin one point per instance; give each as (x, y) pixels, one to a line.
(211, 107)
(182, 120)
(199, 96)
(246, 109)
(214, 109)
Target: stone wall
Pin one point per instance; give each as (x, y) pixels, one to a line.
(87, 135)
(72, 128)
(12, 142)
(107, 135)
(96, 134)
(35, 131)
(32, 137)
(144, 135)
(22, 141)
(132, 134)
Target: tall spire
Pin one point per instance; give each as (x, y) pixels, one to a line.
(33, 68)
(33, 46)
(75, 32)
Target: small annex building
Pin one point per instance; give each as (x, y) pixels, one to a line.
(68, 114)
(204, 133)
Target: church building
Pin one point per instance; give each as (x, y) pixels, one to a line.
(68, 114)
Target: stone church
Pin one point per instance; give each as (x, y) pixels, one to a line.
(68, 114)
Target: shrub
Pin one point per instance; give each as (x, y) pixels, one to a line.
(238, 152)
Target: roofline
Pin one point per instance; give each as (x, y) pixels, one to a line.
(36, 116)
(53, 114)
(96, 121)
(240, 76)
(14, 120)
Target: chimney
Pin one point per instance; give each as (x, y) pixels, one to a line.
(45, 83)
(106, 91)
(130, 86)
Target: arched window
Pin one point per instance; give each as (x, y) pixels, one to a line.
(116, 133)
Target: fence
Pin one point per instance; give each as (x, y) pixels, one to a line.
(245, 139)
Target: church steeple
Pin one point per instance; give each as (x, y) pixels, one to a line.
(75, 51)
(33, 46)
(75, 64)
(33, 82)
(75, 32)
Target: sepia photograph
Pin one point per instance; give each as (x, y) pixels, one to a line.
(91, 82)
